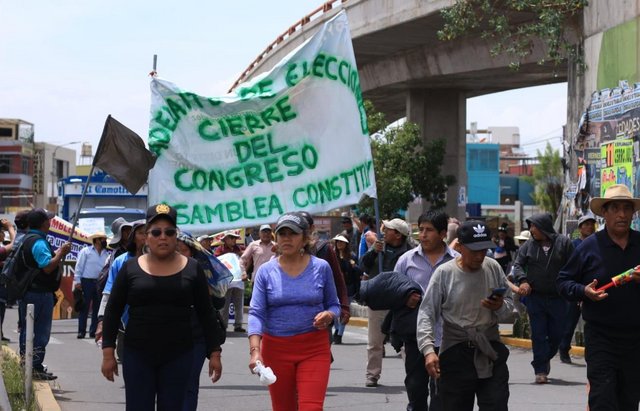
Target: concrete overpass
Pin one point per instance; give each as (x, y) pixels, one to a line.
(407, 72)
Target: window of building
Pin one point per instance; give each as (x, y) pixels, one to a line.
(6, 132)
(483, 160)
(5, 164)
(25, 166)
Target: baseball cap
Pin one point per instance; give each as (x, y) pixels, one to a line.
(203, 237)
(296, 222)
(307, 217)
(265, 227)
(475, 235)
(399, 225)
(586, 217)
(161, 210)
(38, 216)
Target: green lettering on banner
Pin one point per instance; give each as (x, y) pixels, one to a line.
(334, 187)
(170, 123)
(321, 67)
(247, 123)
(230, 211)
(259, 146)
(176, 108)
(270, 163)
(189, 98)
(262, 89)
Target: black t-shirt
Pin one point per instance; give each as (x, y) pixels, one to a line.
(160, 309)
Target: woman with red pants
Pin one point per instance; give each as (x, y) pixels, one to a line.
(293, 304)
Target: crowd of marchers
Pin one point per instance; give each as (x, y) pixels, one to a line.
(436, 296)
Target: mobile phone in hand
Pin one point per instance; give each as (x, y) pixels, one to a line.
(497, 292)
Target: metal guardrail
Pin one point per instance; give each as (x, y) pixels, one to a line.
(326, 7)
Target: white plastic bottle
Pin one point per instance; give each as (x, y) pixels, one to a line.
(267, 377)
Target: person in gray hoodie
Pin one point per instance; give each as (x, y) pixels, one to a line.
(535, 270)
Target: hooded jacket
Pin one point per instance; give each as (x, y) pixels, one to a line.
(390, 291)
(535, 267)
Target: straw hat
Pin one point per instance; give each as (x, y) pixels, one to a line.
(99, 234)
(523, 236)
(616, 192)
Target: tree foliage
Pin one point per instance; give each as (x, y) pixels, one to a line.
(548, 180)
(514, 24)
(404, 166)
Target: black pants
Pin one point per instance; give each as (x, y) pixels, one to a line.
(417, 381)
(460, 385)
(573, 316)
(613, 367)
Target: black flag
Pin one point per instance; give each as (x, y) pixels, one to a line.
(123, 155)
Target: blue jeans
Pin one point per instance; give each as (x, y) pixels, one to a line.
(42, 317)
(547, 316)
(199, 355)
(148, 375)
(91, 297)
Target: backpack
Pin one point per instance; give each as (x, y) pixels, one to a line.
(16, 276)
(104, 274)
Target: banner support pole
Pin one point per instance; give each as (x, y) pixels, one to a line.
(376, 208)
(84, 193)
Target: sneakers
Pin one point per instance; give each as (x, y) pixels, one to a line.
(371, 383)
(239, 330)
(541, 379)
(565, 357)
(43, 375)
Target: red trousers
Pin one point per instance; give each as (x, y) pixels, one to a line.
(301, 364)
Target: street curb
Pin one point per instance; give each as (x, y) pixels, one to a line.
(507, 339)
(44, 399)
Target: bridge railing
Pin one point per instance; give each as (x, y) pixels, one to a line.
(324, 8)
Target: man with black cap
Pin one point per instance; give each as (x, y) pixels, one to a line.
(535, 271)
(469, 294)
(39, 256)
(612, 326)
(586, 227)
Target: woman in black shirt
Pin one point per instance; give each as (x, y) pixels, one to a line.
(161, 288)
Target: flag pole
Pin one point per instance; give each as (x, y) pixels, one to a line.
(84, 193)
(376, 209)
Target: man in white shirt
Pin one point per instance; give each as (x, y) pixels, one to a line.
(91, 259)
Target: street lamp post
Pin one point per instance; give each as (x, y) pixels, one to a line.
(53, 170)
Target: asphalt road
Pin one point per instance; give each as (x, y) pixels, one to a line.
(81, 387)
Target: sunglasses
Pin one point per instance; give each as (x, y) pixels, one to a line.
(157, 232)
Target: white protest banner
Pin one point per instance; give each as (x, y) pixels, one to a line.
(294, 138)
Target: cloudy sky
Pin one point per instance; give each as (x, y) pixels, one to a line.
(65, 65)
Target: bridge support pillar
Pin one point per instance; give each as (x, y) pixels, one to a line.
(441, 114)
